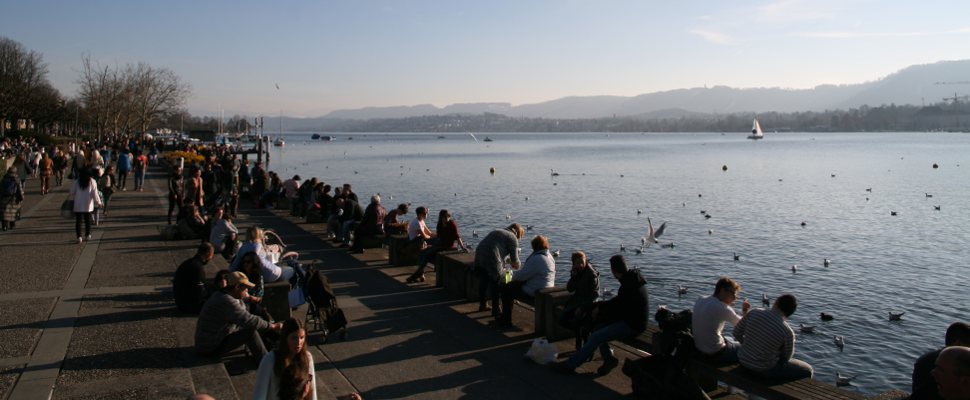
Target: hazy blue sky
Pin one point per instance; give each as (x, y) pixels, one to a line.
(328, 55)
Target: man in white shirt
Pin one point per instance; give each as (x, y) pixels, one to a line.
(710, 315)
(417, 229)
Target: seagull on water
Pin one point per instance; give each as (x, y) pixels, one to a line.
(842, 380)
(555, 254)
(896, 316)
(806, 328)
(737, 257)
(652, 234)
(839, 341)
(928, 195)
(794, 269)
(622, 248)
(668, 245)
(764, 300)
(710, 231)
(639, 211)
(475, 234)
(681, 290)
(826, 262)
(937, 208)
(639, 250)
(825, 317)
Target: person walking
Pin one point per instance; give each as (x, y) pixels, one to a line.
(85, 195)
(11, 195)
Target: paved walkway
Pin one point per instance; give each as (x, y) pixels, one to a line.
(96, 320)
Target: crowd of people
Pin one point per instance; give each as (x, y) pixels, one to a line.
(204, 200)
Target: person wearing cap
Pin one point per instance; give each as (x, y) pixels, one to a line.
(225, 324)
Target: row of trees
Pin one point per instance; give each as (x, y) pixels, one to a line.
(129, 98)
(110, 99)
(883, 118)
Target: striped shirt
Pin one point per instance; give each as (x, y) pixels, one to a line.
(766, 339)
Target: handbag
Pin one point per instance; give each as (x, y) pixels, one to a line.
(67, 208)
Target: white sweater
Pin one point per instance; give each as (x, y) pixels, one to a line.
(268, 384)
(85, 199)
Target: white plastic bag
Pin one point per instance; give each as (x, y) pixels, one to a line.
(542, 352)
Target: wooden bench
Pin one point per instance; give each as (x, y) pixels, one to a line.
(439, 265)
(370, 241)
(453, 271)
(401, 251)
(707, 373)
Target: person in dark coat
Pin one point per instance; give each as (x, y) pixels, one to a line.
(584, 284)
(924, 384)
(619, 318)
(189, 283)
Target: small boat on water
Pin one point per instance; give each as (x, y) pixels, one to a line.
(279, 142)
(488, 139)
(441, 137)
(756, 132)
(327, 138)
(315, 136)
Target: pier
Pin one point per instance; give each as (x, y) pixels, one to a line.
(97, 320)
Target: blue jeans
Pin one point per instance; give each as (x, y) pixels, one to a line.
(792, 369)
(728, 354)
(601, 338)
(139, 178)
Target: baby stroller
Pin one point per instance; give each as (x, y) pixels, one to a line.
(323, 313)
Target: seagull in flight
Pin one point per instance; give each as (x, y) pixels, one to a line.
(652, 234)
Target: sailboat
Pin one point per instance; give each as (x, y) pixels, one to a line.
(756, 132)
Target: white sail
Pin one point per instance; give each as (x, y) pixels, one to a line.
(756, 132)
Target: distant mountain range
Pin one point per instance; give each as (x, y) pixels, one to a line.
(914, 85)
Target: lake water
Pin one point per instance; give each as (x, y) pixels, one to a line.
(915, 262)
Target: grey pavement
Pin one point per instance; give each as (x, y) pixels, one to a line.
(96, 320)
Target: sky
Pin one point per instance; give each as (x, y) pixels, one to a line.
(326, 55)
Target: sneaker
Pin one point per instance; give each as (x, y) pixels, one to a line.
(79, 239)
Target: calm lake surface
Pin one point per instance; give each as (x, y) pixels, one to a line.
(915, 262)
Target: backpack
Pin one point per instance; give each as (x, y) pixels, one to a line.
(663, 374)
(9, 186)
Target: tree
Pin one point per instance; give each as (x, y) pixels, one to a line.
(122, 100)
(23, 76)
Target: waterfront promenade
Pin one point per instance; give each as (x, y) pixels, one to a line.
(96, 320)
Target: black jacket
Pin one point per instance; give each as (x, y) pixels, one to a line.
(630, 304)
